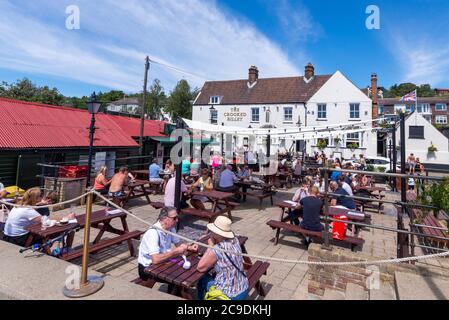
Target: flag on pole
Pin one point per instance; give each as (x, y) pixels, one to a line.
(412, 96)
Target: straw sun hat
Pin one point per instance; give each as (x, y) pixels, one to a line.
(222, 227)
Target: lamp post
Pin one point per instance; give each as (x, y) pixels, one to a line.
(93, 106)
(87, 285)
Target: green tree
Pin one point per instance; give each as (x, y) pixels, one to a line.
(26, 90)
(180, 101)
(156, 101)
(397, 91)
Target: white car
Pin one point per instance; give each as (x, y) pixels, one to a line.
(379, 162)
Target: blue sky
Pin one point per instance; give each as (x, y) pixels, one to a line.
(219, 40)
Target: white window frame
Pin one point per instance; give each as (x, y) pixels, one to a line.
(354, 112)
(441, 104)
(350, 138)
(253, 115)
(438, 118)
(213, 116)
(320, 112)
(215, 100)
(290, 120)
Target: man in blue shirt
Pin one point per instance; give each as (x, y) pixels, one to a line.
(335, 174)
(342, 198)
(227, 179)
(154, 171)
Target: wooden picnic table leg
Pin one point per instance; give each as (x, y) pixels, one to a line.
(145, 192)
(126, 230)
(185, 293)
(247, 260)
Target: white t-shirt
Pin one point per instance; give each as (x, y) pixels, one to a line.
(347, 188)
(18, 219)
(411, 182)
(153, 242)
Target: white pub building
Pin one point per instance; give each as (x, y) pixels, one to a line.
(290, 102)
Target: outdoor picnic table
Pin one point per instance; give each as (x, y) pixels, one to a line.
(137, 189)
(173, 273)
(353, 215)
(141, 174)
(333, 211)
(99, 219)
(218, 198)
(265, 188)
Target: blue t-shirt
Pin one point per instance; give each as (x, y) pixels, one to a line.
(154, 171)
(344, 201)
(185, 167)
(311, 213)
(335, 175)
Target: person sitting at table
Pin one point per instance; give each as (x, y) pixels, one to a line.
(243, 172)
(227, 179)
(169, 197)
(157, 246)
(194, 167)
(342, 183)
(19, 218)
(230, 277)
(204, 183)
(154, 173)
(169, 166)
(101, 182)
(311, 211)
(185, 166)
(336, 173)
(51, 198)
(319, 183)
(118, 183)
(341, 199)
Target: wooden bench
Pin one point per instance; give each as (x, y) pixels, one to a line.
(431, 221)
(148, 283)
(278, 225)
(261, 195)
(254, 273)
(93, 248)
(202, 214)
(157, 205)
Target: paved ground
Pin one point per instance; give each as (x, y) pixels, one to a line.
(284, 281)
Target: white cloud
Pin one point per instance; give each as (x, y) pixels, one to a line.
(115, 36)
(297, 22)
(421, 59)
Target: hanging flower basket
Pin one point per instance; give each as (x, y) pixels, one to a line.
(337, 140)
(353, 147)
(321, 144)
(432, 149)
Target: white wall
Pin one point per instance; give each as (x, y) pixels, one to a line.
(228, 116)
(419, 146)
(337, 94)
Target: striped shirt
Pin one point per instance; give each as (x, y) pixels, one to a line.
(229, 280)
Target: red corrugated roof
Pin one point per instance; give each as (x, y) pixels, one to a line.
(32, 125)
(131, 126)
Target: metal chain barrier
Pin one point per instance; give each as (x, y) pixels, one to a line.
(315, 263)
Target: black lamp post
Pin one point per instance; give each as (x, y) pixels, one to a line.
(93, 106)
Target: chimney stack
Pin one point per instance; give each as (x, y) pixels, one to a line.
(374, 97)
(253, 74)
(309, 71)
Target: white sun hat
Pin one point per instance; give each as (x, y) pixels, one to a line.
(222, 227)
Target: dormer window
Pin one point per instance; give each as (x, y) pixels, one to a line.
(215, 100)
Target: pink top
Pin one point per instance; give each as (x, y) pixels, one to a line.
(216, 161)
(169, 199)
